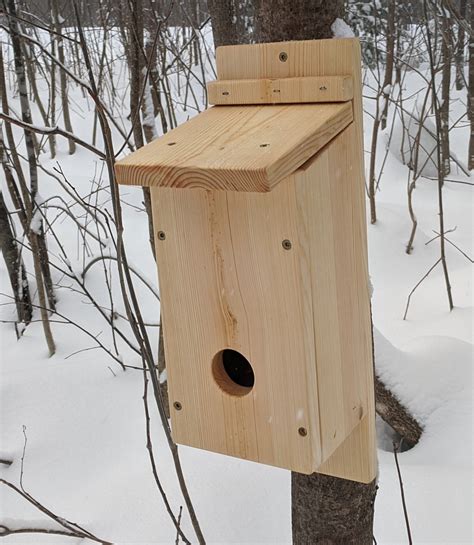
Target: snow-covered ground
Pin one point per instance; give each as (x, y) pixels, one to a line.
(83, 416)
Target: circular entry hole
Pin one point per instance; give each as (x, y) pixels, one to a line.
(232, 372)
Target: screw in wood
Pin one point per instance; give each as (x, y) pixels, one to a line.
(303, 432)
(161, 235)
(177, 405)
(286, 244)
(283, 56)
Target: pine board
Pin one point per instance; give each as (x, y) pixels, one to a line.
(280, 90)
(238, 148)
(300, 316)
(308, 58)
(227, 282)
(330, 193)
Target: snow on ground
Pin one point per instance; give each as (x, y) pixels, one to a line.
(83, 417)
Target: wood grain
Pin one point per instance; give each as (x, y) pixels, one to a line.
(355, 459)
(300, 316)
(238, 148)
(227, 282)
(308, 58)
(330, 193)
(280, 90)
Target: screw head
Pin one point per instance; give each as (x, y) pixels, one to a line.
(177, 405)
(161, 235)
(286, 244)
(303, 432)
(283, 56)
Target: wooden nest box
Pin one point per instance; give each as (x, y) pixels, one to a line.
(259, 218)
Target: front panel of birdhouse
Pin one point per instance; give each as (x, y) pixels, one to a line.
(259, 218)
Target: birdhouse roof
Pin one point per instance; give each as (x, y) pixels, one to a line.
(236, 148)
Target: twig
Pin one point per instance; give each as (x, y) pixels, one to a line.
(6, 531)
(441, 173)
(74, 530)
(83, 329)
(126, 284)
(402, 493)
(452, 244)
(418, 283)
(149, 446)
(179, 523)
(51, 130)
(450, 180)
(145, 281)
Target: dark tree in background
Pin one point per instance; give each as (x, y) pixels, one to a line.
(229, 21)
(325, 510)
(280, 20)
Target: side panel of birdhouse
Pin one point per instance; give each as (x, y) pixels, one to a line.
(330, 196)
(234, 275)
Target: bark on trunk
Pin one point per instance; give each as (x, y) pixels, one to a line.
(390, 409)
(36, 238)
(331, 511)
(15, 267)
(224, 22)
(136, 68)
(9, 134)
(447, 54)
(280, 20)
(57, 21)
(52, 92)
(460, 80)
(387, 82)
(471, 87)
(162, 370)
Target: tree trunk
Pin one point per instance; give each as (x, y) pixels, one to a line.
(387, 82)
(471, 88)
(447, 54)
(280, 20)
(9, 133)
(228, 27)
(57, 21)
(460, 48)
(136, 68)
(15, 267)
(35, 237)
(329, 511)
(29, 56)
(52, 92)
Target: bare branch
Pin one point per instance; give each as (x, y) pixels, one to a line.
(51, 130)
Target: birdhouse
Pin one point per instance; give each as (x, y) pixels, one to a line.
(259, 219)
